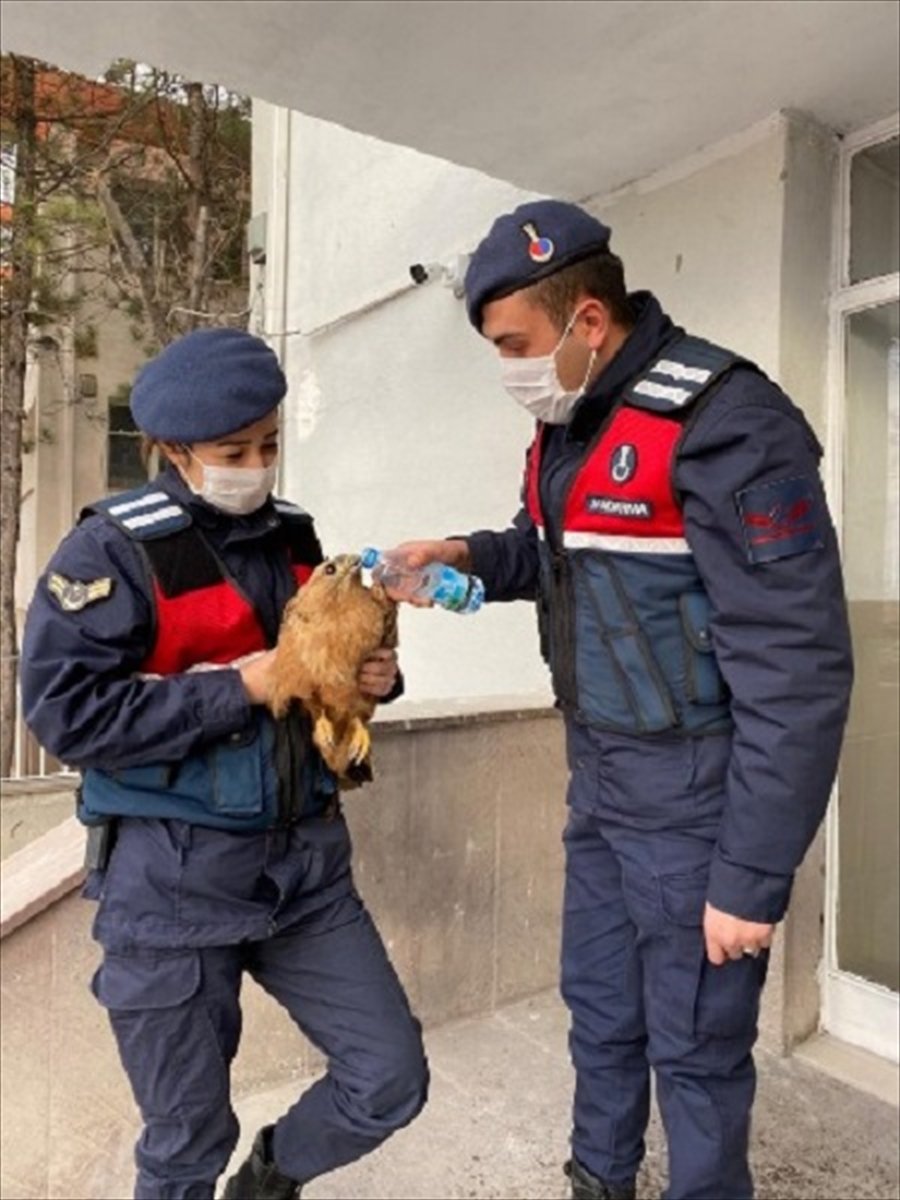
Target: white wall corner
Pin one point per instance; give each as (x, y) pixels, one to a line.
(809, 182)
(703, 157)
(705, 236)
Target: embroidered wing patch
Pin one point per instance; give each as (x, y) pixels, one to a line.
(72, 595)
(781, 519)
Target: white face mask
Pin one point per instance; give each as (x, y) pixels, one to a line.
(234, 490)
(534, 383)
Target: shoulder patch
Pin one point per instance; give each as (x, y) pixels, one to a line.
(145, 514)
(781, 519)
(72, 595)
(689, 367)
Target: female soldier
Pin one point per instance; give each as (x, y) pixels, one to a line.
(221, 848)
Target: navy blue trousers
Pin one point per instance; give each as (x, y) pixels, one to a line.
(176, 1015)
(641, 992)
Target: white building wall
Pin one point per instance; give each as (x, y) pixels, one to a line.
(396, 425)
(736, 244)
(706, 236)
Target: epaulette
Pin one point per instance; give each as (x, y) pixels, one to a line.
(689, 367)
(144, 514)
(299, 532)
(288, 511)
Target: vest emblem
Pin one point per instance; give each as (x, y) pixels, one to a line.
(613, 506)
(623, 463)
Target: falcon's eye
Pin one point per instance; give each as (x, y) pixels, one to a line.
(330, 569)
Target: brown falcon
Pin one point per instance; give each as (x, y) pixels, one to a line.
(328, 630)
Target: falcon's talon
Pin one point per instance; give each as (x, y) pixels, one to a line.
(360, 742)
(323, 734)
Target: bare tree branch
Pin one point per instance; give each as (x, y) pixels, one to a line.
(132, 195)
(132, 257)
(17, 289)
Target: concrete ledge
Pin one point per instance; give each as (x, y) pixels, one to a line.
(39, 785)
(31, 807)
(51, 863)
(411, 716)
(852, 1065)
(41, 873)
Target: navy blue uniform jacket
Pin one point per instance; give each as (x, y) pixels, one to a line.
(779, 627)
(81, 691)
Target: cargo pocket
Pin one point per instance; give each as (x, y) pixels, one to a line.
(155, 777)
(724, 1001)
(168, 1043)
(621, 683)
(704, 681)
(235, 767)
(728, 997)
(683, 897)
(146, 981)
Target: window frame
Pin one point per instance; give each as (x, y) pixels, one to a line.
(853, 1008)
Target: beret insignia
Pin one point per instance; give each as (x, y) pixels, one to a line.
(540, 249)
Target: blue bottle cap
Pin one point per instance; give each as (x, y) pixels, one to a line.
(369, 557)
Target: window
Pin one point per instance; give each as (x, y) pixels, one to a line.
(124, 466)
(875, 211)
(862, 977)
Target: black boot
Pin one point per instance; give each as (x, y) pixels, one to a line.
(258, 1178)
(586, 1186)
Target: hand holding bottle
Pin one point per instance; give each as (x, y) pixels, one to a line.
(454, 552)
(411, 573)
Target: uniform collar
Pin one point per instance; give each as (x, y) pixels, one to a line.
(653, 328)
(223, 525)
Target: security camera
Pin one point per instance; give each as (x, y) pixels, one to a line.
(422, 272)
(451, 273)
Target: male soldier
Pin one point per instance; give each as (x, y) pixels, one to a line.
(675, 534)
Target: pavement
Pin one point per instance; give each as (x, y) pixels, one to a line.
(496, 1124)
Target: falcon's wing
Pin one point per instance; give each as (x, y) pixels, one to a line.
(389, 608)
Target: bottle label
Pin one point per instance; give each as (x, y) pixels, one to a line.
(450, 589)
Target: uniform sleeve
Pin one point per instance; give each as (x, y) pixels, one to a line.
(81, 694)
(396, 691)
(507, 561)
(757, 522)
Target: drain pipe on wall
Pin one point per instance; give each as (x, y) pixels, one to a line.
(278, 229)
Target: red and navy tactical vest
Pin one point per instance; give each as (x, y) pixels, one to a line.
(266, 775)
(202, 617)
(623, 612)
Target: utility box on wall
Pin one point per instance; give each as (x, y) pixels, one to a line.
(256, 238)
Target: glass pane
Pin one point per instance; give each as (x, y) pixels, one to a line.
(125, 468)
(121, 420)
(868, 924)
(875, 212)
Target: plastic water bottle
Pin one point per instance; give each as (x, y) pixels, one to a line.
(447, 587)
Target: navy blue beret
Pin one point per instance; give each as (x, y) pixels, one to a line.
(208, 383)
(537, 240)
